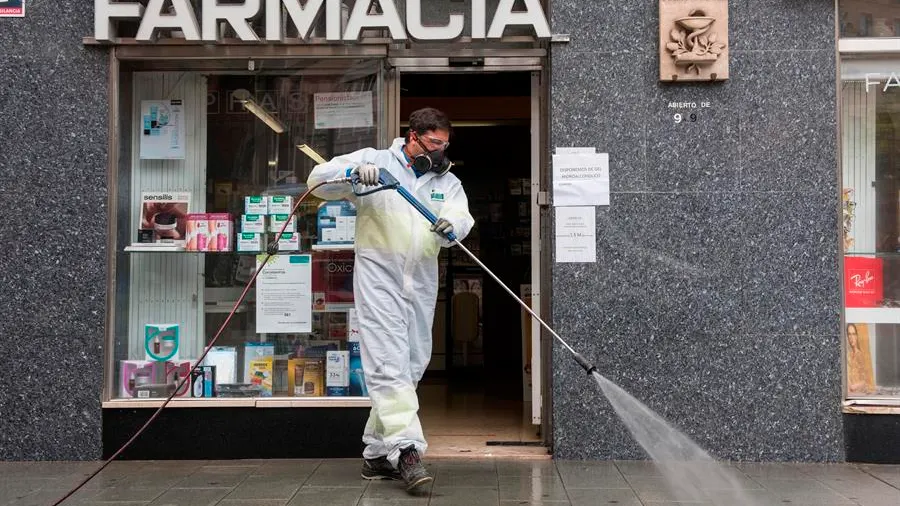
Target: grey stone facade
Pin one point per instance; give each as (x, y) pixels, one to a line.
(715, 298)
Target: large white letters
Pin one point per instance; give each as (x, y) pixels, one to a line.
(419, 31)
(105, 12)
(533, 16)
(303, 17)
(235, 15)
(183, 17)
(389, 18)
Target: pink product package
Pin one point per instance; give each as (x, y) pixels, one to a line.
(221, 232)
(197, 232)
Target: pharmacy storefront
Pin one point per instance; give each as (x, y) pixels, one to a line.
(706, 212)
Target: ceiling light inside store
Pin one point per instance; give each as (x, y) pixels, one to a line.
(243, 96)
(310, 152)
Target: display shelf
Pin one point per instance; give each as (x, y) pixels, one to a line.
(890, 406)
(333, 247)
(872, 315)
(879, 254)
(244, 402)
(154, 248)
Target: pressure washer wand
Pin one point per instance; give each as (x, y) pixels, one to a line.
(388, 181)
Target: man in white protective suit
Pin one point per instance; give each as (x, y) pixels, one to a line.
(396, 281)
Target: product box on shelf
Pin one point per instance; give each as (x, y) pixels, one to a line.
(306, 377)
(165, 213)
(197, 232)
(357, 375)
(352, 325)
(203, 382)
(256, 351)
(248, 242)
(863, 281)
(336, 223)
(277, 221)
(261, 371)
(164, 385)
(332, 279)
(256, 205)
(253, 223)
(221, 232)
(135, 373)
(279, 204)
(337, 373)
(161, 341)
(290, 241)
(224, 360)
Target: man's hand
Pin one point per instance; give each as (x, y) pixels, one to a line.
(442, 227)
(368, 174)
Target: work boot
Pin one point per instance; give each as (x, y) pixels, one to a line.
(412, 470)
(379, 469)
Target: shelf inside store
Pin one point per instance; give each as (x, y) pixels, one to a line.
(879, 254)
(173, 249)
(244, 402)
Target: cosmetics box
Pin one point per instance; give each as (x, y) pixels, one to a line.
(277, 221)
(279, 204)
(197, 232)
(221, 232)
(290, 241)
(256, 205)
(256, 351)
(253, 223)
(161, 341)
(203, 382)
(251, 242)
(337, 373)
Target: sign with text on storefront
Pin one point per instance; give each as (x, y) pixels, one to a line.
(181, 16)
(12, 8)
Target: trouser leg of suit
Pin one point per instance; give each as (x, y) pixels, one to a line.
(384, 320)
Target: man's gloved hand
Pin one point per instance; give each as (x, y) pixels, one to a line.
(368, 174)
(442, 227)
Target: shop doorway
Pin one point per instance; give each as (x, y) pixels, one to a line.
(476, 398)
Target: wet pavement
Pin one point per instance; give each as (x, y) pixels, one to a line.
(457, 482)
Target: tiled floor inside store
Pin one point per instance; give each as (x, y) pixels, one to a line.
(457, 482)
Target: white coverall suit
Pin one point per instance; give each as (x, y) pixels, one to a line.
(395, 287)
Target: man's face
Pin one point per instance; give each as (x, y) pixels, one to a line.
(432, 140)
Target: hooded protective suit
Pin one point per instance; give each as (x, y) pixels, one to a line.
(395, 287)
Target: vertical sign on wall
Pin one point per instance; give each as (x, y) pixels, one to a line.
(12, 8)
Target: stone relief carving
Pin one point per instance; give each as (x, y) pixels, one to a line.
(694, 40)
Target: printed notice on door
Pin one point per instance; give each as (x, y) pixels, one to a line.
(284, 295)
(350, 109)
(162, 130)
(580, 178)
(576, 240)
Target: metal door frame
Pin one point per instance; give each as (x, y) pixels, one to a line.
(500, 60)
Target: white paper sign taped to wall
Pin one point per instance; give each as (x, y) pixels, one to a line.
(580, 178)
(284, 295)
(576, 236)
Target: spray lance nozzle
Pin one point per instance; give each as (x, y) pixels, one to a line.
(589, 367)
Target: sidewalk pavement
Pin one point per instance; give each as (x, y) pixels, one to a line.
(457, 482)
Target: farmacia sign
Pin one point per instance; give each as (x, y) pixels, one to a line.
(304, 15)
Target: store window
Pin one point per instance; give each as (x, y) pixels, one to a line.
(869, 18)
(210, 165)
(870, 125)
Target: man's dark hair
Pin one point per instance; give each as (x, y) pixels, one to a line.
(427, 119)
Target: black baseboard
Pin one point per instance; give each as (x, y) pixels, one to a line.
(872, 439)
(236, 433)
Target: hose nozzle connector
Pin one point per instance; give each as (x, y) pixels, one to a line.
(589, 367)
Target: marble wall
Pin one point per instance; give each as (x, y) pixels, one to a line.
(715, 298)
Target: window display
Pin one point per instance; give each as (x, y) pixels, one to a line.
(869, 18)
(192, 229)
(870, 124)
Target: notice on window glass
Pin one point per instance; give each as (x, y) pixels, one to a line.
(580, 178)
(576, 240)
(162, 130)
(350, 109)
(284, 295)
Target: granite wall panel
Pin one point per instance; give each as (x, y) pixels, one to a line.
(53, 217)
(715, 298)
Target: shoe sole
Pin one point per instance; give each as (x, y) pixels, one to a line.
(418, 483)
(377, 477)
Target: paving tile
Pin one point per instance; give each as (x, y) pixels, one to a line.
(21, 487)
(45, 497)
(265, 487)
(191, 497)
(774, 471)
(597, 497)
(394, 490)
(444, 479)
(326, 496)
(591, 475)
(740, 497)
(337, 473)
(464, 496)
(257, 502)
(889, 474)
(803, 491)
(535, 503)
(547, 488)
(116, 494)
(298, 469)
(370, 501)
(216, 477)
(637, 468)
(527, 468)
(658, 489)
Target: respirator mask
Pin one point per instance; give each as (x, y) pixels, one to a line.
(431, 161)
